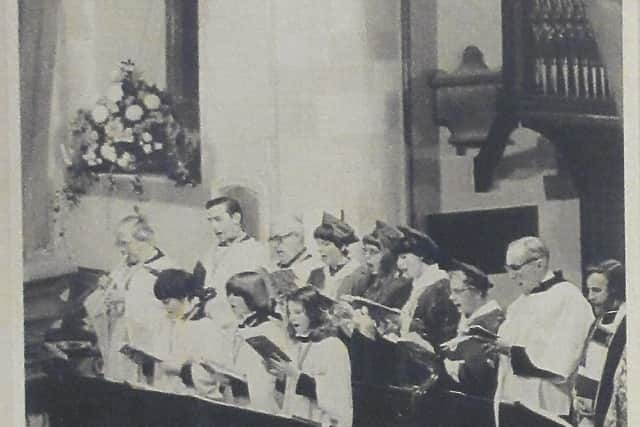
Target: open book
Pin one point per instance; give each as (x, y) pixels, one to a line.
(377, 311)
(217, 369)
(470, 345)
(139, 355)
(267, 348)
(479, 331)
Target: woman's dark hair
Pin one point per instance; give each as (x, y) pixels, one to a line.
(173, 283)
(251, 287)
(317, 307)
(388, 261)
(473, 276)
(614, 271)
(326, 232)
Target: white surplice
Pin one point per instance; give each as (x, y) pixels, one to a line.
(222, 262)
(552, 326)
(189, 341)
(246, 360)
(327, 362)
(430, 275)
(134, 322)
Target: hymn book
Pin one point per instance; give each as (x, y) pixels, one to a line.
(378, 312)
(217, 369)
(470, 345)
(138, 355)
(267, 348)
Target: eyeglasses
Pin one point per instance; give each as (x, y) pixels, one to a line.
(278, 239)
(518, 267)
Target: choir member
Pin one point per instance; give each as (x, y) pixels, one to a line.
(249, 299)
(606, 287)
(189, 337)
(476, 374)
(595, 380)
(289, 249)
(382, 282)
(428, 310)
(123, 310)
(333, 238)
(542, 339)
(234, 252)
(317, 381)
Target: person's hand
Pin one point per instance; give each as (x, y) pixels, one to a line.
(583, 407)
(281, 368)
(499, 346)
(170, 367)
(364, 323)
(390, 325)
(105, 282)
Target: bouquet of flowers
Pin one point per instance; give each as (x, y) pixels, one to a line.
(132, 130)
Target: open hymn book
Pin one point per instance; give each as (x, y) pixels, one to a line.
(267, 348)
(470, 345)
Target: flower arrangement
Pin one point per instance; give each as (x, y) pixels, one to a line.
(134, 129)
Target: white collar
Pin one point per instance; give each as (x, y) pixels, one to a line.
(430, 275)
(488, 307)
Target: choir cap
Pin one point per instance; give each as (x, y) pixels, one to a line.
(384, 236)
(476, 278)
(419, 244)
(336, 231)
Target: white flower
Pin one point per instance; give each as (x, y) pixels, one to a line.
(100, 113)
(115, 92)
(123, 163)
(126, 161)
(114, 128)
(146, 137)
(133, 113)
(108, 152)
(157, 145)
(152, 102)
(147, 148)
(126, 136)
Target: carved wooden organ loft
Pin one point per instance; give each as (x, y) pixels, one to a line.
(554, 82)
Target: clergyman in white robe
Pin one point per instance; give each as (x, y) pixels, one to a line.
(547, 329)
(132, 322)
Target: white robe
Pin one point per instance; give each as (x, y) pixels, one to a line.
(223, 262)
(241, 358)
(552, 326)
(431, 275)
(189, 341)
(136, 325)
(327, 362)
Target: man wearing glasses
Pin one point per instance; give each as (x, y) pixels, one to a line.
(288, 248)
(542, 339)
